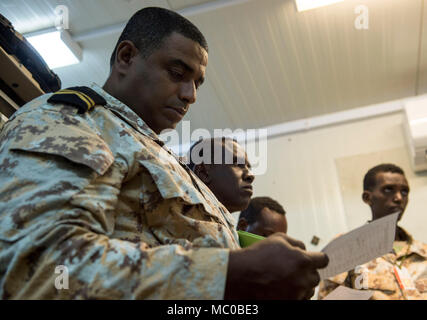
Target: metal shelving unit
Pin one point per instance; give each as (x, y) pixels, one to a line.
(17, 85)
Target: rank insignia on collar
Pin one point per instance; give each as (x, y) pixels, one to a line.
(84, 98)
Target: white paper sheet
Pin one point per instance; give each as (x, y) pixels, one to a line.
(344, 293)
(360, 245)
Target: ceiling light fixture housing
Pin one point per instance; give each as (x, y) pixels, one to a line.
(303, 5)
(56, 47)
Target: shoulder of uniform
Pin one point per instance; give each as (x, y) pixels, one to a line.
(83, 98)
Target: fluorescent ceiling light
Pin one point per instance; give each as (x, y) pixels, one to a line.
(56, 47)
(303, 5)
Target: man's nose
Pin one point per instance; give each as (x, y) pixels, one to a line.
(397, 197)
(249, 176)
(187, 92)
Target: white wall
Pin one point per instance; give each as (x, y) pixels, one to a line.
(317, 176)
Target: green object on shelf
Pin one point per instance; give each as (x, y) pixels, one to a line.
(247, 238)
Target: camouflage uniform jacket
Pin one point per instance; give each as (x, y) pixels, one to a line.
(385, 276)
(100, 194)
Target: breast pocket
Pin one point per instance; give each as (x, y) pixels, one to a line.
(169, 181)
(176, 210)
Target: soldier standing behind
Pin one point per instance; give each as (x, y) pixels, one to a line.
(402, 274)
(264, 216)
(230, 179)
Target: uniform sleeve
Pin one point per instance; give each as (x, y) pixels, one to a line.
(60, 184)
(325, 288)
(328, 285)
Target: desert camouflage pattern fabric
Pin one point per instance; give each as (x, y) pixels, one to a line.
(100, 194)
(379, 276)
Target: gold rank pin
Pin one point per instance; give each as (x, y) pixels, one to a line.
(84, 98)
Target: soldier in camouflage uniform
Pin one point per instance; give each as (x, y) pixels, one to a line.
(264, 216)
(231, 182)
(402, 274)
(229, 176)
(88, 187)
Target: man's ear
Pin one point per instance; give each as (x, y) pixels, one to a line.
(203, 172)
(366, 197)
(125, 53)
(242, 224)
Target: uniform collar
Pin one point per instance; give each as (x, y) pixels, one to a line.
(404, 235)
(409, 246)
(419, 248)
(127, 114)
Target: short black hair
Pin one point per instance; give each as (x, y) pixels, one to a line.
(148, 27)
(370, 179)
(192, 164)
(256, 205)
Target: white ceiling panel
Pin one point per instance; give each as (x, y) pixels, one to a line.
(273, 64)
(84, 15)
(268, 63)
(181, 4)
(27, 16)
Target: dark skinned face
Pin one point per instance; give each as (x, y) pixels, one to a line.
(231, 183)
(389, 195)
(161, 87)
(268, 222)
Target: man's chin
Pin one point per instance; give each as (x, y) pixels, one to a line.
(387, 214)
(238, 206)
(396, 211)
(244, 204)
